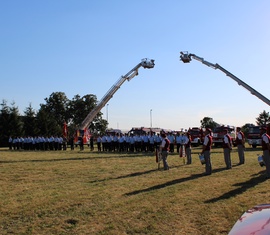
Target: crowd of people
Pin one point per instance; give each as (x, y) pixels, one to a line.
(164, 142)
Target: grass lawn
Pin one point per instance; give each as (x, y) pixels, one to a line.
(83, 192)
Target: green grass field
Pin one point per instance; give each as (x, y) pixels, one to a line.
(73, 192)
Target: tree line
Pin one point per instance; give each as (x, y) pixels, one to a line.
(50, 117)
(57, 109)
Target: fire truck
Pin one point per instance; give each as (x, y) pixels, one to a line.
(254, 136)
(145, 63)
(197, 135)
(219, 132)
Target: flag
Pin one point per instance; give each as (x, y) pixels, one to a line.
(87, 135)
(65, 130)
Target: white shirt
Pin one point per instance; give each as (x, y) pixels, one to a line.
(206, 140)
(265, 138)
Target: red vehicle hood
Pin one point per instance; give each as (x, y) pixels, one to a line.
(255, 221)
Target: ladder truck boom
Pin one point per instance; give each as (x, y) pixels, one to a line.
(145, 63)
(186, 58)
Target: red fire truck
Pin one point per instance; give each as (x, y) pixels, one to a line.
(219, 132)
(197, 135)
(254, 136)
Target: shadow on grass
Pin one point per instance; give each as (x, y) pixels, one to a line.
(48, 160)
(170, 183)
(123, 176)
(241, 188)
(67, 159)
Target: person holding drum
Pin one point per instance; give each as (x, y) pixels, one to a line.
(240, 142)
(206, 151)
(164, 149)
(266, 150)
(188, 148)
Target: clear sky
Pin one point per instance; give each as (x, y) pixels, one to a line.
(84, 46)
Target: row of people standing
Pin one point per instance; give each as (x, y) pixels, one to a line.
(138, 143)
(227, 147)
(128, 143)
(38, 143)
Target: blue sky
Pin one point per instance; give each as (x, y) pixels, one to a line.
(83, 47)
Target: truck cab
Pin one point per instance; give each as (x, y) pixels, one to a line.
(219, 132)
(197, 136)
(254, 136)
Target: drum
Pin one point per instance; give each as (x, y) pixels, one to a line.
(261, 161)
(201, 157)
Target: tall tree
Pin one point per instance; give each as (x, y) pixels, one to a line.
(263, 119)
(46, 123)
(57, 106)
(80, 107)
(4, 123)
(10, 122)
(208, 122)
(52, 115)
(15, 120)
(29, 120)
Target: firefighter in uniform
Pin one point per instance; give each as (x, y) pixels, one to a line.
(172, 141)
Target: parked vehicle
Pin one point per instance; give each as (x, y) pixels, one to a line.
(219, 132)
(254, 136)
(197, 135)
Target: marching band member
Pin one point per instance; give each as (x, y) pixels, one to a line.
(240, 141)
(266, 150)
(164, 148)
(227, 147)
(206, 151)
(188, 148)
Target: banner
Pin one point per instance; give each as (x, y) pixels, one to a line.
(65, 130)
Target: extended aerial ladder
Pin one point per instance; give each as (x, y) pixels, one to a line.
(145, 63)
(186, 58)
